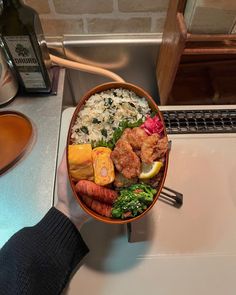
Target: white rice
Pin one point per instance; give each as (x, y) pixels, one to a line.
(104, 111)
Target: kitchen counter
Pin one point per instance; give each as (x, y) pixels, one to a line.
(26, 190)
(193, 247)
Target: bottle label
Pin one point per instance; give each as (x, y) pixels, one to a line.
(25, 60)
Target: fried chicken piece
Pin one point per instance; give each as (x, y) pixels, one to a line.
(121, 181)
(153, 148)
(135, 137)
(125, 160)
(154, 181)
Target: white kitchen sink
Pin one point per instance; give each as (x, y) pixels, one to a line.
(190, 250)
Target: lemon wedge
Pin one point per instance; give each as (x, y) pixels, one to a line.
(150, 170)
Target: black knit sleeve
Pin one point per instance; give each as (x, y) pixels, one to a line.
(39, 259)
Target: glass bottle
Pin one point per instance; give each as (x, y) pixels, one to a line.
(22, 39)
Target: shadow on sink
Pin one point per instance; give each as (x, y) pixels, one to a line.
(110, 250)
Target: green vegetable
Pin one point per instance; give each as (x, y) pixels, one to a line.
(122, 126)
(104, 132)
(117, 133)
(153, 114)
(134, 200)
(84, 129)
(96, 121)
(131, 104)
(110, 100)
(101, 142)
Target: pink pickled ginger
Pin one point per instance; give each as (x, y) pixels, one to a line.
(152, 125)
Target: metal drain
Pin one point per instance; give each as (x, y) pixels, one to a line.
(200, 121)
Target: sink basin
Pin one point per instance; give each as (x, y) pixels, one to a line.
(123, 54)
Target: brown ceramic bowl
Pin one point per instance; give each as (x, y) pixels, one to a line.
(140, 92)
(16, 136)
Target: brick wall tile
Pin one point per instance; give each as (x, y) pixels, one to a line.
(85, 6)
(58, 27)
(111, 25)
(159, 23)
(142, 5)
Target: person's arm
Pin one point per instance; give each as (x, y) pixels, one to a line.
(40, 259)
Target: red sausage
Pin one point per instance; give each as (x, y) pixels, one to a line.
(99, 207)
(96, 192)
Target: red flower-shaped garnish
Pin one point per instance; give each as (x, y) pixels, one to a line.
(152, 125)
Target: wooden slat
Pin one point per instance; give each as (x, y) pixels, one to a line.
(211, 63)
(210, 38)
(210, 50)
(171, 49)
(181, 6)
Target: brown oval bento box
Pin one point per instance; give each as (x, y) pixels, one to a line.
(140, 92)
